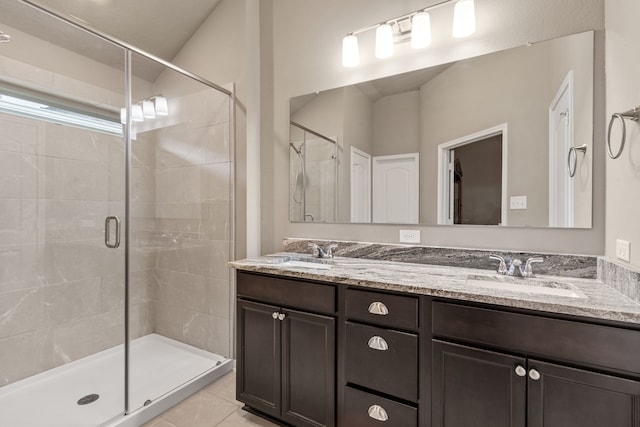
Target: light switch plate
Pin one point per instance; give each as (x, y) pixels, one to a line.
(518, 202)
(409, 236)
(623, 249)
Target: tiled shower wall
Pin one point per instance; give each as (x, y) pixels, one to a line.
(61, 289)
(59, 284)
(192, 222)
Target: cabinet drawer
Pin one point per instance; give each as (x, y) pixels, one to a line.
(314, 297)
(358, 405)
(572, 341)
(391, 369)
(382, 308)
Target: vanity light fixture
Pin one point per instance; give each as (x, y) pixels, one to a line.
(464, 19)
(136, 113)
(416, 25)
(350, 51)
(161, 105)
(148, 108)
(384, 41)
(420, 30)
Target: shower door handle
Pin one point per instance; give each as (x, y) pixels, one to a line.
(107, 231)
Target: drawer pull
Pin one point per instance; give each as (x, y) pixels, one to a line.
(377, 412)
(378, 343)
(378, 308)
(520, 371)
(534, 375)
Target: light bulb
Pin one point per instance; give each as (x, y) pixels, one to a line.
(148, 110)
(350, 51)
(136, 113)
(420, 30)
(162, 107)
(464, 18)
(384, 41)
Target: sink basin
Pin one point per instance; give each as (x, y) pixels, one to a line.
(307, 264)
(301, 262)
(538, 286)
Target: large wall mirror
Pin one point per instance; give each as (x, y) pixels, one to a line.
(501, 139)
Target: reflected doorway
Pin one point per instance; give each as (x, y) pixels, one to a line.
(472, 179)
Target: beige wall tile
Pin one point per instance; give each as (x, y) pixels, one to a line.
(20, 312)
(69, 301)
(20, 357)
(18, 134)
(82, 337)
(18, 267)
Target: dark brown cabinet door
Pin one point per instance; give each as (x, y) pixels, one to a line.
(258, 352)
(308, 369)
(560, 396)
(477, 388)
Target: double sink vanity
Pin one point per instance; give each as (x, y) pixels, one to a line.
(366, 342)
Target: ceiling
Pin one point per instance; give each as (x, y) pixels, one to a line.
(386, 86)
(160, 27)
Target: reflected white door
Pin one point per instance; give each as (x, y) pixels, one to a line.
(560, 140)
(360, 186)
(395, 189)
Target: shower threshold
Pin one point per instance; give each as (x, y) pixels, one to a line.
(162, 373)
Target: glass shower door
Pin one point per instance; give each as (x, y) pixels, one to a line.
(61, 169)
(180, 231)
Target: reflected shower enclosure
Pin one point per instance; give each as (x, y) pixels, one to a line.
(313, 160)
(115, 296)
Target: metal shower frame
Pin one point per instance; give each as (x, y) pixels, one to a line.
(128, 49)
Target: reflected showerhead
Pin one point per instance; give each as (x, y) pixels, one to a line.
(297, 150)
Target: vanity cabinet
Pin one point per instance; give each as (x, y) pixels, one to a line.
(312, 353)
(286, 349)
(381, 359)
(543, 372)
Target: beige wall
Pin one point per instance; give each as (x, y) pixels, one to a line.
(306, 58)
(219, 52)
(623, 93)
(396, 124)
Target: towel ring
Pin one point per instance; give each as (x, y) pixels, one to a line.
(633, 114)
(573, 166)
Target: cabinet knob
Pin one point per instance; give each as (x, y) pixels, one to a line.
(377, 412)
(378, 308)
(281, 316)
(534, 375)
(378, 343)
(274, 315)
(520, 371)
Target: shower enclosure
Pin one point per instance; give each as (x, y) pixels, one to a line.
(313, 169)
(116, 200)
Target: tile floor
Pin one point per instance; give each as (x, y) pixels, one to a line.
(214, 405)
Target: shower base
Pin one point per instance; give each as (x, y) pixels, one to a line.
(162, 373)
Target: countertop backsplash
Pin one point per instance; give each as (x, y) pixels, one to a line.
(579, 266)
(621, 278)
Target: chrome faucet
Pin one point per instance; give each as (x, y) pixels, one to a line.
(319, 252)
(513, 267)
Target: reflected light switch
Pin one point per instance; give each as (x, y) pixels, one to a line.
(518, 202)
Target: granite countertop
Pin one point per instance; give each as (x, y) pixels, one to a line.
(594, 298)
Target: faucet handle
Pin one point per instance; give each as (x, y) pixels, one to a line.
(332, 249)
(528, 269)
(315, 249)
(502, 268)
